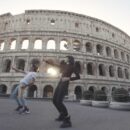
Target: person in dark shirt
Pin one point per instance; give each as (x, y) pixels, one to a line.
(67, 68)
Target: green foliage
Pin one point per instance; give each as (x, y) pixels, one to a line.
(87, 95)
(100, 95)
(120, 95)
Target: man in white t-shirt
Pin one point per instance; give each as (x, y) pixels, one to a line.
(19, 91)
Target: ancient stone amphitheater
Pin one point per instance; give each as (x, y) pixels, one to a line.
(101, 50)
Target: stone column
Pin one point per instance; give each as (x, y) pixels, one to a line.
(57, 44)
(13, 61)
(31, 43)
(83, 46)
(43, 44)
(19, 43)
(94, 49)
(6, 45)
(71, 45)
(84, 69)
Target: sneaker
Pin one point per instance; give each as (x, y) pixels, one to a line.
(25, 111)
(18, 108)
(60, 118)
(66, 123)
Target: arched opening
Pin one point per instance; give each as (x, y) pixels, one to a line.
(64, 45)
(25, 44)
(108, 51)
(99, 49)
(38, 44)
(7, 65)
(128, 58)
(36, 62)
(122, 56)
(111, 71)
(2, 44)
(102, 70)
(78, 92)
(92, 89)
(113, 89)
(104, 89)
(3, 89)
(116, 54)
(32, 91)
(90, 68)
(120, 73)
(78, 66)
(88, 47)
(126, 74)
(48, 91)
(76, 45)
(13, 44)
(51, 44)
(20, 64)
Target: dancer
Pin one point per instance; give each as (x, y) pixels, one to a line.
(67, 68)
(19, 91)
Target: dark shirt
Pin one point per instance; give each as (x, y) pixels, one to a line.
(67, 70)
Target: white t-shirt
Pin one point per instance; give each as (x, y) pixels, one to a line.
(28, 78)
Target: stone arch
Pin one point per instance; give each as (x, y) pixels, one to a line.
(76, 45)
(7, 65)
(2, 44)
(88, 46)
(38, 44)
(78, 92)
(20, 64)
(48, 91)
(108, 51)
(13, 44)
(113, 88)
(99, 49)
(105, 89)
(128, 58)
(32, 91)
(102, 71)
(119, 72)
(122, 56)
(25, 44)
(78, 66)
(51, 44)
(90, 68)
(116, 53)
(64, 45)
(35, 61)
(111, 71)
(92, 89)
(3, 89)
(126, 74)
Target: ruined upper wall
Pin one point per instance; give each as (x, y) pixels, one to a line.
(62, 21)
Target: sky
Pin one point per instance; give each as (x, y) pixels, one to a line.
(115, 12)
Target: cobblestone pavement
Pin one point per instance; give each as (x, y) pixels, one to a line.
(43, 114)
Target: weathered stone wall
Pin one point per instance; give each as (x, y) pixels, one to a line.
(99, 46)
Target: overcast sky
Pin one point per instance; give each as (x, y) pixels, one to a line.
(115, 12)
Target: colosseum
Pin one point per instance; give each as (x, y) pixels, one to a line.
(101, 51)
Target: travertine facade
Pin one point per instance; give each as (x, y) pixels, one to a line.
(101, 50)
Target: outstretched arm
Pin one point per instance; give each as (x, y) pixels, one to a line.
(18, 70)
(51, 63)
